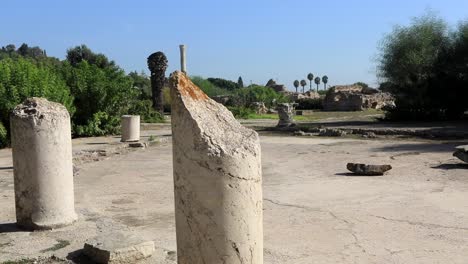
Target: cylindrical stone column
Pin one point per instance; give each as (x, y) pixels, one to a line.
(130, 128)
(42, 164)
(183, 65)
(217, 181)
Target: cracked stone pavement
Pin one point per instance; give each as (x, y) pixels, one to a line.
(314, 211)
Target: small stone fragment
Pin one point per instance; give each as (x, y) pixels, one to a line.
(461, 153)
(137, 145)
(286, 115)
(117, 248)
(368, 170)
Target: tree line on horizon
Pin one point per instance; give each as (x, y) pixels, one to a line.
(311, 78)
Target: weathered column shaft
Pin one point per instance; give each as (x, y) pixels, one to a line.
(130, 128)
(42, 162)
(217, 180)
(183, 65)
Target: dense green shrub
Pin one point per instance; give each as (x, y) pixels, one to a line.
(167, 99)
(308, 104)
(224, 84)
(241, 112)
(3, 136)
(425, 66)
(93, 88)
(246, 96)
(208, 87)
(21, 78)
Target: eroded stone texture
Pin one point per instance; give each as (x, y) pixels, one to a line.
(286, 115)
(368, 170)
(356, 98)
(130, 128)
(217, 180)
(461, 152)
(117, 248)
(42, 161)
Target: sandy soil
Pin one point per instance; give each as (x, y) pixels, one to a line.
(314, 211)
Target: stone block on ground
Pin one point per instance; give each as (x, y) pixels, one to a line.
(461, 152)
(368, 170)
(118, 248)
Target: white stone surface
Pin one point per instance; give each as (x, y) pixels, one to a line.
(217, 178)
(118, 248)
(130, 128)
(42, 161)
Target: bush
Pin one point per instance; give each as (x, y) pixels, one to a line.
(308, 104)
(208, 87)
(3, 136)
(145, 109)
(167, 99)
(246, 96)
(241, 112)
(425, 66)
(21, 78)
(224, 84)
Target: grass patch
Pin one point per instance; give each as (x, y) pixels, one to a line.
(319, 115)
(60, 244)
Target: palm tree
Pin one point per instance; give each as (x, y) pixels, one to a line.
(317, 82)
(303, 84)
(325, 81)
(310, 76)
(157, 64)
(296, 84)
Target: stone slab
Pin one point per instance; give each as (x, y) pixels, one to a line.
(368, 170)
(118, 248)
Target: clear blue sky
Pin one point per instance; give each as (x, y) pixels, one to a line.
(256, 39)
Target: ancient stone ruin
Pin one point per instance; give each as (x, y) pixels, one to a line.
(461, 152)
(286, 114)
(217, 180)
(130, 128)
(356, 98)
(42, 161)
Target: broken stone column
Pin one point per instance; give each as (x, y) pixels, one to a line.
(130, 128)
(217, 180)
(42, 162)
(286, 115)
(183, 65)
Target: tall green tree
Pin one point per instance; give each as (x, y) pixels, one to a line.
(415, 65)
(317, 82)
(157, 64)
(81, 53)
(240, 82)
(303, 84)
(20, 78)
(296, 84)
(325, 81)
(310, 77)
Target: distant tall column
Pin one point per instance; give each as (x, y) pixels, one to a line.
(183, 65)
(217, 181)
(42, 164)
